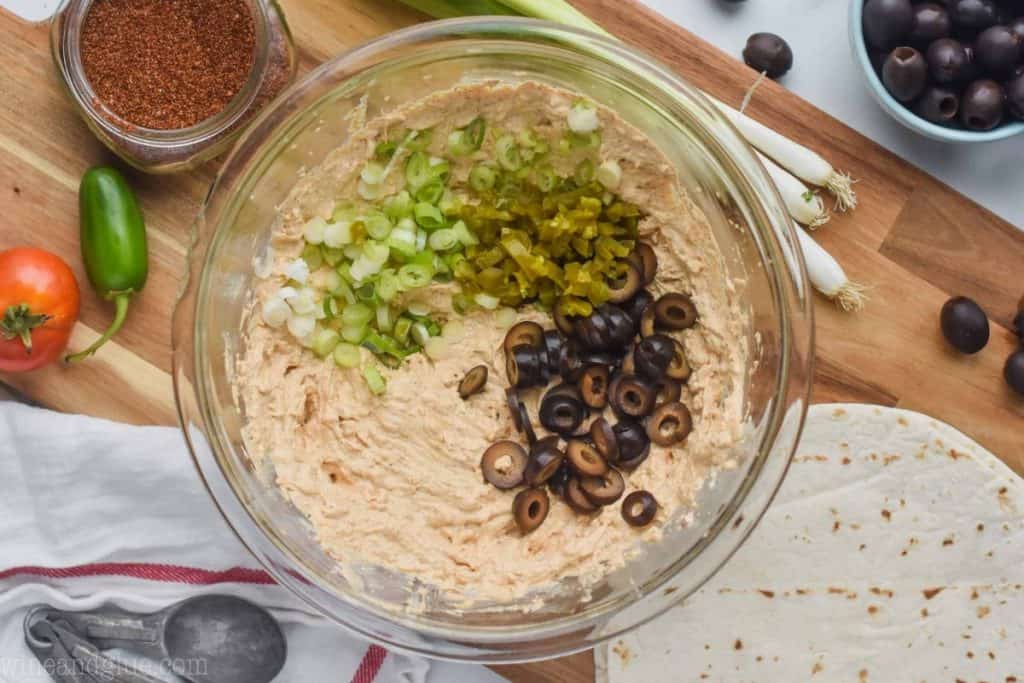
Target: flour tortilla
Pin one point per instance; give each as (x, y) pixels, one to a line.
(894, 552)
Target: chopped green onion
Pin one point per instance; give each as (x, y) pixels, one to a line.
(373, 173)
(421, 240)
(483, 177)
(344, 290)
(457, 144)
(313, 257)
(367, 293)
(428, 216)
(546, 179)
(332, 256)
(508, 153)
(414, 276)
(436, 348)
(475, 133)
(417, 169)
(383, 345)
(353, 251)
(609, 174)
(418, 309)
(356, 315)
(583, 118)
(585, 172)
(399, 206)
(338, 234)
(449, 204)
(463, 235)
(403, 240)
(374, 380)
(353, 334)
(376, 252)
(527, 138)
(378, 226)
(420, 334)
(430, 192)
(346, 355)
(443, 240)
(419, 140)
(385, 150)
(384, 318)
(324, 342)
(402, 328)
(369, 192)
(332, 307)
(313, 231)
(487, 301)
(387, 285)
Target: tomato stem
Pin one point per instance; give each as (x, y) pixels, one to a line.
(121, 302)
(19, 321)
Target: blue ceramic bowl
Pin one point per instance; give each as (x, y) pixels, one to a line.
(898, 111)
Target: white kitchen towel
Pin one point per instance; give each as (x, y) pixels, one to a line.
(893, 553)
(93, 512)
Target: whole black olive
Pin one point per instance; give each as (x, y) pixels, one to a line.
(931, 22)
(1013, 371)
(639, 508)
(973, 15)
(627, 285)
(530, 509)
(1015, 96)
(630, 395)
(653, 355)
(887, 22)
(964, 324)
(905, 73)
(998, 50)
(561, 413)
(983, 105)
(634, 308)
(947, 60)
(634, 444)
(769, 54)
(938, 105)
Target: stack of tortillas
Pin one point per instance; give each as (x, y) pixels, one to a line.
(893, 553)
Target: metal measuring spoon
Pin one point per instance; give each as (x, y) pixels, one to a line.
(206, 639)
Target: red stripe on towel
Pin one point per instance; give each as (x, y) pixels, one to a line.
(368, 669)
(167, 573)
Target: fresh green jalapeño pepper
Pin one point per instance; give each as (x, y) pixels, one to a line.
(113, 238)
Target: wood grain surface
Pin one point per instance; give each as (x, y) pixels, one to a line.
(914, 240)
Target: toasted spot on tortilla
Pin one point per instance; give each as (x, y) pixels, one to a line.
(862, 675)
(670, 591)
(984, 611)
(817, 668)
(981, 527)
(835, 526)
(902, 422)
(739, 520)
(838, 412)
(872, 610)
(889, 459)
(887, 515)
(947, 542)
(930, 593)
(846, 461)
(956, 455)
(623, 652)
(738, 645)
(767, 594)
(924, 611)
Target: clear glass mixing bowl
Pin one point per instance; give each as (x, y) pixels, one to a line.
(758, 251)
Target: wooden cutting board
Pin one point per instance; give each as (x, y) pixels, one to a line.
(913, 239)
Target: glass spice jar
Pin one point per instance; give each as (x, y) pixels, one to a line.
(175, 149)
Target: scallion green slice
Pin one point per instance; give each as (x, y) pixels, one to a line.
(399, 206)
(346, 355)
(353, 334)
(414, 276)
(417, 169)
(378, 226)
(443, 240)
(420, 334)
(313, 256)
(483, 177)
(403, 326)
(431, 191)
(387, 284)
(324, 342)
(428, 216)
(508, 153)
(332, 256)
(356, 315)
(585, 172)
(385, 320)
(374, 380)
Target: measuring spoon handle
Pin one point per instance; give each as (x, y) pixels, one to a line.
(109, 627)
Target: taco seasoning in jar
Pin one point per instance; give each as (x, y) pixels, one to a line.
(168, 84)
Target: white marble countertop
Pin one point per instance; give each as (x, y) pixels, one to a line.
(825, 73)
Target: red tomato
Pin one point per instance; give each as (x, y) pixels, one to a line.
(38, 308)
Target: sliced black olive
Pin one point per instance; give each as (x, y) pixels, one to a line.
(594, 386)
(524, 366)
(563, 322)
(628, 366)
(653, 355)
(474, 382)
(566, 389)
(679, 368)
(576, 499)
(630, 395)
(525, 333)
(634, 308)
(524, 419)
(530, 509)
(561, 413)
(623, 288)
(634, 444)
(560, 479)
(570, 365)
(620, 326)
(605, 489)
(504, 464)
(585, 459)
(554, 346)
(647, 320)
(668, 389)
(545, 458)
(675, 311)
(605, 440)
(512, 400)
(670, 424)
(639, 508)
(593, 332)
(649, 259)
(605, 358)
